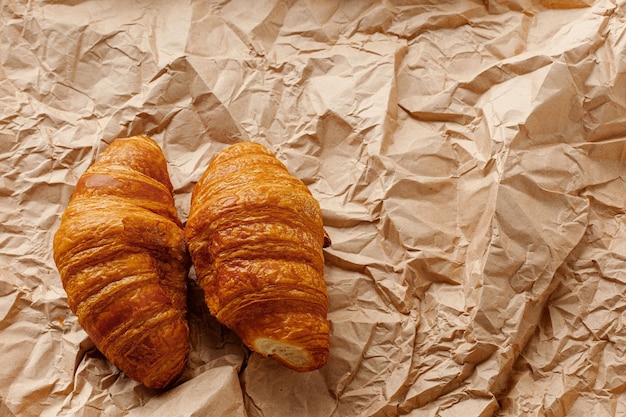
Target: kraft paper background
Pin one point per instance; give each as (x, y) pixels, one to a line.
(469, 158)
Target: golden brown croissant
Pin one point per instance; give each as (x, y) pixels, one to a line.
(255, 236)
(123, 262)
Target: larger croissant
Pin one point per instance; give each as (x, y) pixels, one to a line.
(123, 262)
(255, 236)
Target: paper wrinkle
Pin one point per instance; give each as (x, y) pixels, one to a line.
(469, 160)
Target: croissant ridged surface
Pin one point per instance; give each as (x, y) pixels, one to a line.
(255, 235)
(123, 262)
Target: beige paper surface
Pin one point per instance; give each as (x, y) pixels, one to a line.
(469, 158)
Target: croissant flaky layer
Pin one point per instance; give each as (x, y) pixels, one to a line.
(123, 262)
(255, 235)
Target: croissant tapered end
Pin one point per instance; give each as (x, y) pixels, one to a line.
(166, 345)
(298, 340)
(123, 262)
(255, 235)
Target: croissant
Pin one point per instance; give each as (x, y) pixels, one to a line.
(255, 236)
(123, 262)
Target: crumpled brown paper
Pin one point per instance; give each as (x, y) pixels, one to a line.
(469, 158)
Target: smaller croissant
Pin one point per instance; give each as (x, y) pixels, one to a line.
(123, 262)
(255, 235)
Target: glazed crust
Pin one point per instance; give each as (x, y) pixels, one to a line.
(123, 262)
(255, 235)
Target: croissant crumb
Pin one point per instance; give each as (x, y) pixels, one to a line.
(255, 235)
(123, 262)
(285, 353)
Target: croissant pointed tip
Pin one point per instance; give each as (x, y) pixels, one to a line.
(298, 358)
(160, 357)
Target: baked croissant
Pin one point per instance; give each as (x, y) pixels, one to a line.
(255, 236)
(123, 262)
